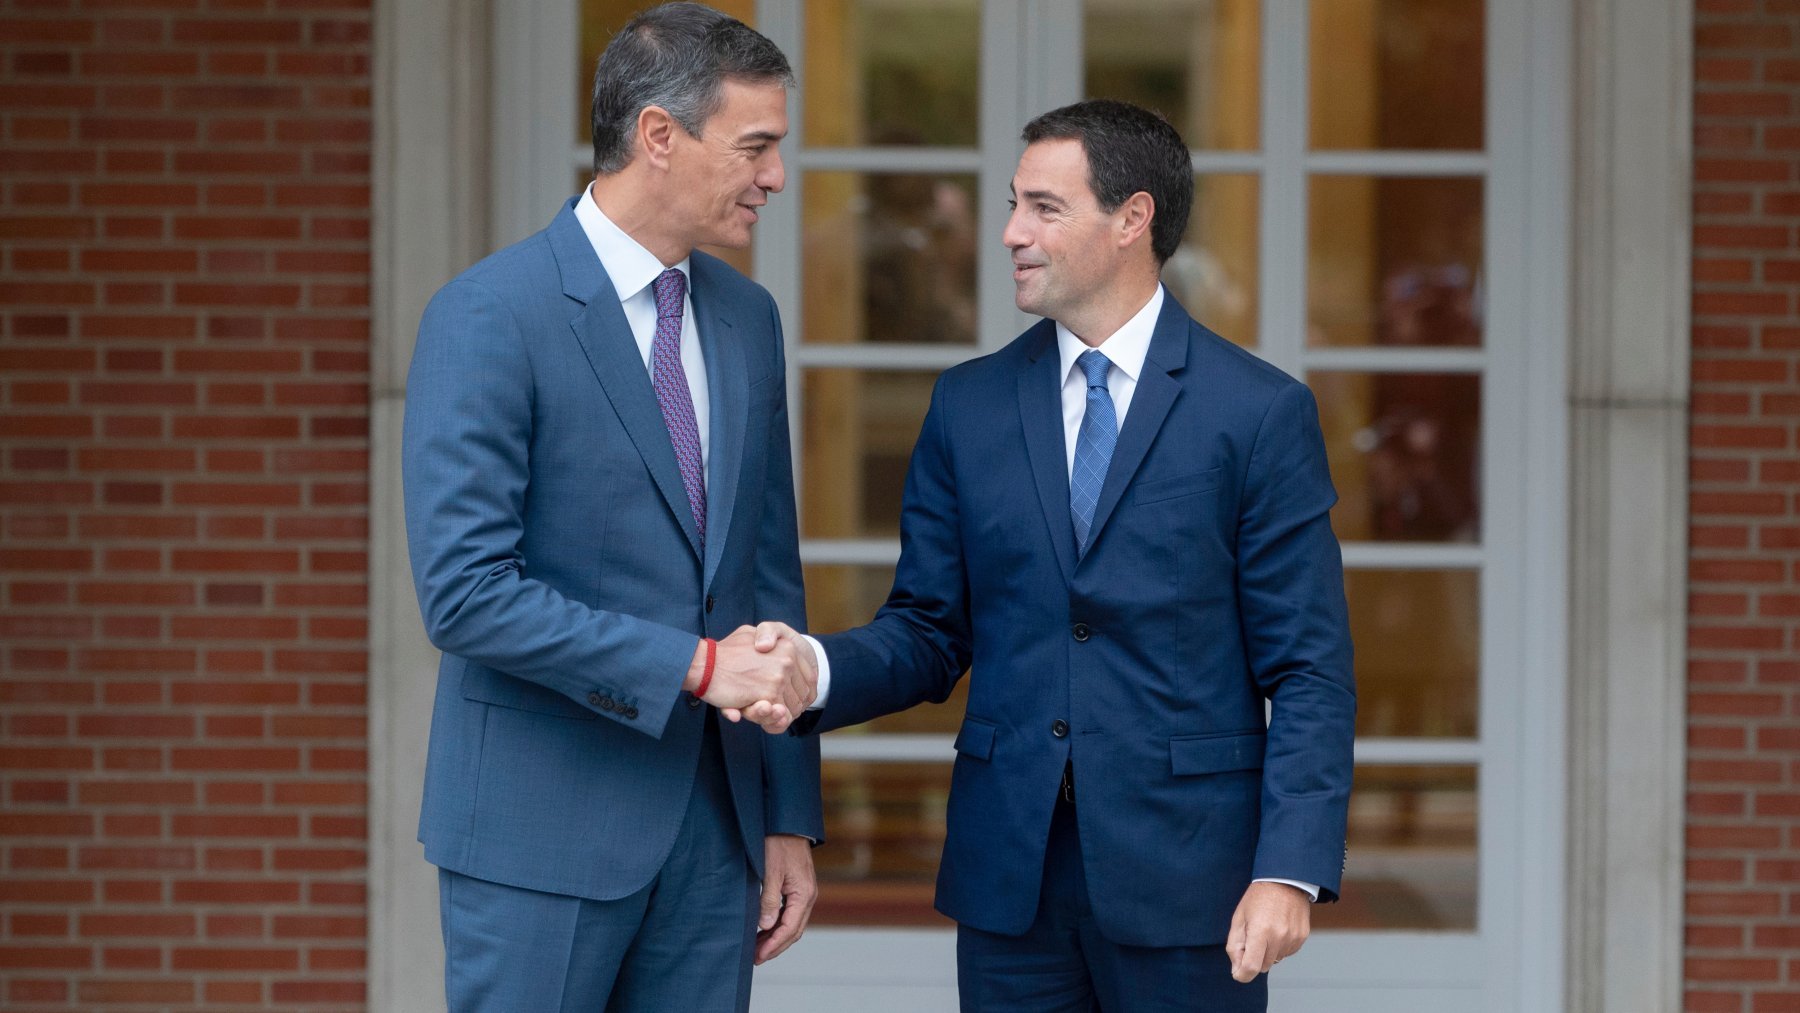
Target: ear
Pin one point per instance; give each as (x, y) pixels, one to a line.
(655, 135)
(1134, 217)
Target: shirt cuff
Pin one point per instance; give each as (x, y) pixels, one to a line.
(1311, 889)
(825, 677)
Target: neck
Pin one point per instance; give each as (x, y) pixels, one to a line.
(629, 200)
(1122, 301)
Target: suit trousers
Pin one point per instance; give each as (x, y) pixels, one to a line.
(683, 942)
(1062, 964)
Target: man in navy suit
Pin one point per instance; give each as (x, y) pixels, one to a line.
(1121, 521)
(598, 491)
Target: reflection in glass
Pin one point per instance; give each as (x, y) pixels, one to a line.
(888, 257)
(1394, 261)
(856, 439)
(600, 21)
(1213, 272)
(885, 822)
(1412, 861)
(1404, 454)
(892, 72)
(1418, 648)
(1195, 61)
(1397, 74)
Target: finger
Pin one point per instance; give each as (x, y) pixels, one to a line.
(732, 713)
(1234, 945)
(771, 902)
(769, 634)
(1256, 956)
(787, 929)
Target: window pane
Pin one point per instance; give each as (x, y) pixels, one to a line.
(1394, 261)
(1403, 74)
(1418, 651)
(888, 257)
(1412, 861)
(1213, 272)
(856, 440)
(885, 822)
(600, 21)
(1404, 453)
(1195, 61)
(892, 72)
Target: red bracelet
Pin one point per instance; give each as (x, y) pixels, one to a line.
(712, 655)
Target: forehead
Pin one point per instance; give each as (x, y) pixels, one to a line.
(1058, 166)
(750, 107)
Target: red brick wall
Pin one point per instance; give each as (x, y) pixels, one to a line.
(184, 226)
(1743, 820)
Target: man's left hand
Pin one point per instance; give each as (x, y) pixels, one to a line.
(1271, 922)
(789, 890)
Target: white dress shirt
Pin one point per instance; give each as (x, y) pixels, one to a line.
(1126, 348)
(632, 270)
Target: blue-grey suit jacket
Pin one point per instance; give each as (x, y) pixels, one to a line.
(1211, 584)
(559, 570)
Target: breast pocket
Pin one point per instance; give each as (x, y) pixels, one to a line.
(1176, 486)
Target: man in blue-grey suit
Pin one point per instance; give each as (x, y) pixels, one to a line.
(1122, 521)
(598, 491)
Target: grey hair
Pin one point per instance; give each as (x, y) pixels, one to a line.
(676, 56)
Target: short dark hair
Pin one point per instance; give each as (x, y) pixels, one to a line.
(1129, 148)
(677, 56)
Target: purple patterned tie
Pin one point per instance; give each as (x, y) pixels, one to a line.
(673, 395)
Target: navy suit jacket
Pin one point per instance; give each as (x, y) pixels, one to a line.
(1212, 585)
(559, 570)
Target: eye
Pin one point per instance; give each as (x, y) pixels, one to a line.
(1012, 205)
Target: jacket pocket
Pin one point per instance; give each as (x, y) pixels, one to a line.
(1179, 485)
(1216, 754)
(976, 739)
(489, 686)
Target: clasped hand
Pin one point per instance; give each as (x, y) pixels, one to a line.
(766, 674)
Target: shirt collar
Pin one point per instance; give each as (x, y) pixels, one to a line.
(630, 267)
(1127, 347)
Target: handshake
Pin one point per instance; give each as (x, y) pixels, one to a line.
(766, 674)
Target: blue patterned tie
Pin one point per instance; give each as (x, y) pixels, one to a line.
(673, 395)
(1093, 445)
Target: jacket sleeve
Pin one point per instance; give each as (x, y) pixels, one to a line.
(791, 800)
(919, 643)
(465, 468)
(1290, 590)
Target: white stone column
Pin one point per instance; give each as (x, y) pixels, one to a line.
(1629, 414)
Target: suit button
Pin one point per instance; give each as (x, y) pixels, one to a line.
(607, 704)
(1059, 728)
(1081, 632)
(710, 602)
(631, 713)
(693, 701)
(593, 699)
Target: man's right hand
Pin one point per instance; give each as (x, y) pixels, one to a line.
(784, 678)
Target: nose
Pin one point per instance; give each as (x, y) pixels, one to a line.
(1015, 236)
(772, 175)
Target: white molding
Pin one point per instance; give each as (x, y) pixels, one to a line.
(430, 199)
(1630, 374)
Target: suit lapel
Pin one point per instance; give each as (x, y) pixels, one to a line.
(727, 382)
(1040, 411)
(613, 355)
(1150, 404)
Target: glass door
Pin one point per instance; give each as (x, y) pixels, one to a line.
(1359, 197)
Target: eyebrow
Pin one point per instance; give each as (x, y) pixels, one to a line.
(760, 135)
(1043, 195)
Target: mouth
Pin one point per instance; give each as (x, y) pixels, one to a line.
(1023, 271)
(750, 209)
